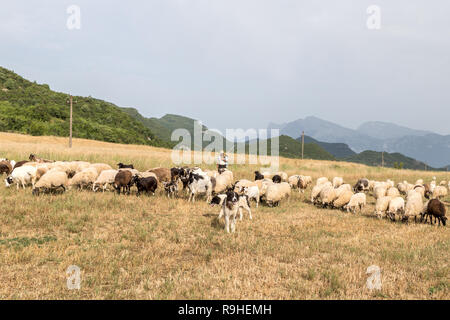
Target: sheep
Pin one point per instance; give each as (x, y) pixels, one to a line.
(393, 192)
(327, 196)
(315, 192)
(145, 184)
(120, 165)
(123, 181)
(252, 192)
(342, 189)
(239, 185)
(51, 181)
(372, 184)
(163, 174)
(276, 179)
(337, 182)
(35, 158)
(23, 175)
(379, 191)
(200, 184)
(20, 163)
(361, 185)
(321, 181)
(105, 179)
(436, 209)
(413, 206)
(358, 200)
(101, 167)
(277, 192)
(381, 206)
(263, 185)
(443, 183)
(402, 187)
(223, 181)
(5, 167)
(419, 181)
(270, 175)
(176, 173)
(420, 189)
(439, 192)
(84, 179)
(306, 179)
(293, 181)
(133, 171)
(258, 176)
(171, 189)
(343, 198)
(396, 207)
(303, 183)
(390, 183)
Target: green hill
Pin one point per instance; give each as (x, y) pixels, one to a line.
(31, 108)
(373, 158)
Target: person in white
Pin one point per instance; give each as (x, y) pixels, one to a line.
(222, 161)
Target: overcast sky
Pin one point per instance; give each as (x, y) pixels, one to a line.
(242, 63)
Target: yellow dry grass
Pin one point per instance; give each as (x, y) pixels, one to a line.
(154, 248)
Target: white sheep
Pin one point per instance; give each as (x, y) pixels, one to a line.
(413, 206)
(252, 192)
(223, 181)
(84, 178)
(396, 207)
(23, 175)
(343, 199)
(393, 192)
(101, 167)
(419, 181)
(379, 191)
(321, 181)
(337, 182)
(315, 192)
(327, 195)
(358, 200)
(277, 192)
(51, 181)
(381, 206)
(105, 179)
(241, 184)
(439, 192)
(293, 181)
(342, 189)
(303, 183)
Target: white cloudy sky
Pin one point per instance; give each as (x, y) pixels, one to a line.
(242, 63)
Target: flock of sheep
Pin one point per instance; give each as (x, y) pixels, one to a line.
(404, 200)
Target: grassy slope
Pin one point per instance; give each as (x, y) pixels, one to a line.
(154, 248)
(28, 107)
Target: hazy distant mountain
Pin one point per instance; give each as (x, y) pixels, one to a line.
(327, 131)
(338, 150)
(434, 149)
(387, 130)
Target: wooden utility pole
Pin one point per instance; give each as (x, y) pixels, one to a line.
(70, 102)
(303, 143)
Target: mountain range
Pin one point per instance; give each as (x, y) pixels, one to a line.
(32, 108)
(425, 146)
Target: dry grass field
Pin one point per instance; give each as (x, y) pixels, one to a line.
(154, 248)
